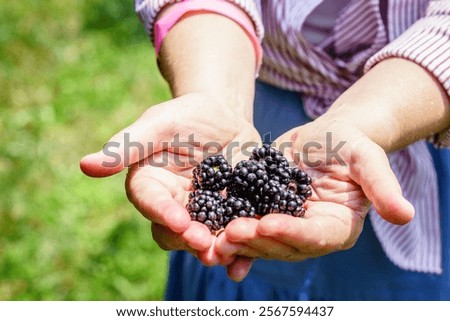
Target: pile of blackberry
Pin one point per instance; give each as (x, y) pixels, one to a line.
(261, 185)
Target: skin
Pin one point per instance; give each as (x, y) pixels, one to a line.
(393, 105)
(212, 80)
(214, 102)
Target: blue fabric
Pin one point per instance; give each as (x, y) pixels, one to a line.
(361, 273)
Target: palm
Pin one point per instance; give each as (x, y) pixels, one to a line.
(165, 178)
(342, 187)
(164, 145)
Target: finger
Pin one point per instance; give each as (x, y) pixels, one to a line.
(261, 247)
(198, 237)
(328, 228)
(227, 256)
(241, 230)
(167, 239)
(210, 257)
(142, 138)
(239, 269)
(101, 164)
(195, 238)
(158, 201)
(225, 248)
(243, 239)
(372, 171)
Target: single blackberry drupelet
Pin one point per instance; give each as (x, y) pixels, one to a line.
(212, 173)
(207, 207)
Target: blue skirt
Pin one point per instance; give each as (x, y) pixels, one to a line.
(361, 273)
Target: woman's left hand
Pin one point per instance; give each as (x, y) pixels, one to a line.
(349, 172)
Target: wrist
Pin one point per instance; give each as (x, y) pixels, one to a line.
(216, 60)
(241, 109)
(380, 125)
(395, 104)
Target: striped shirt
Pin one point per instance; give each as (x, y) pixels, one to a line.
(364, 33)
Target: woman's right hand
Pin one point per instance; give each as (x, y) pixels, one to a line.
(161, 149)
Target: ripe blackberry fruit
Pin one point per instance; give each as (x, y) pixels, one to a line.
(263, 201)
(238, 207)
(288, 202)
(212, 173)
(300, 183)
(207, 207)
(248, 179)
(260, 185)
(275, 163)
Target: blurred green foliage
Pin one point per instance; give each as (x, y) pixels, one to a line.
(72, 73)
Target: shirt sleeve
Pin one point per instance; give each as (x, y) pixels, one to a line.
(148, 10)
(427, 43)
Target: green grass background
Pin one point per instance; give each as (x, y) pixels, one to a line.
(72, 73)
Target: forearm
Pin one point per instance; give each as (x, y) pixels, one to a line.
(395, 104)
(211, 54)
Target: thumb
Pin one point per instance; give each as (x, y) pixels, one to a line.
(132, 144)
(372, 171)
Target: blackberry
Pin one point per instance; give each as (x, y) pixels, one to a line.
(248, 180)
(288, 202)
(212, 173)
(285, 186)
(238, 207)
(270, 155)
(300, 183)
(263, 202)
(277, 166)
(260, 185)
(207, 207)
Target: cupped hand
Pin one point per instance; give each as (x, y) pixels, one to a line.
(349, 173)
(161, 149)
